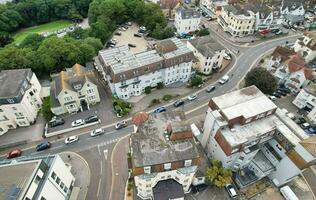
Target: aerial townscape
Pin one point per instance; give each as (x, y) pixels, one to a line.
(157, 99)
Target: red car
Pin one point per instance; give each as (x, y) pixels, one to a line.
(14, 153)
(264, 31)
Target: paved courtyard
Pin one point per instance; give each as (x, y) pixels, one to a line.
(128, 37)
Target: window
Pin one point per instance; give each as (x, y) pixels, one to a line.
(62, 185)
(147, 170)
(65, 189)
(58, 180)
(167, 166)
(187, 163)
(37, 179)
(53, 175)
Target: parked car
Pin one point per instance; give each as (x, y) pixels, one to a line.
(305, 125)
(227, 57)
(78, 122)
(122, 29)
(192, 97)
(281, 92)
(276, 94)
(264, 31)
(271, 97)
(56, 122)
(300, 120)
(118, 33)
(310, 130)
(138, 35)
(198, 188)
(279, 32)
(129, 23)
(132, 45)
(210, 88)
(160, 110)
(178, 103)
(96, 132)
(90, 119)
(120, 125)
(72, 139)
(231, 191)
(43, 146)
(14, 153)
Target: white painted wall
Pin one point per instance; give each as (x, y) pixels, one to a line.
(185, 26)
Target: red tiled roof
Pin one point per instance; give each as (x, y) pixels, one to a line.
(282, 52)
(295, 63)
(140, 118)
(308, 73)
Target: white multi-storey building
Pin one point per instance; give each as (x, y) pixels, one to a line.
(186, 20)
(19, 98)
(47, 178)
(209, 53)
(213, 7)
(306, 46)
(129, 74)
(164, 156)
(74, 89)
(237, 21)
(247, 132)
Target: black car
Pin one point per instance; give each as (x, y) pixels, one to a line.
(286, 90)
(137, 35)
(276, 94)
(198, 188)
(131, 45)
(43, 146)
(281, 92)
(91, 119)
(178, 103)
(56, 122)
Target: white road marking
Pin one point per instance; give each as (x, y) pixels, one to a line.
(99, 187)
(105, 154)
(99, 149)
(101, 167)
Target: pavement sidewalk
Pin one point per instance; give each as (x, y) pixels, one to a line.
(81, 171)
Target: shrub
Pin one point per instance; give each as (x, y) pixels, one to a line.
(154, 102)
(147, 90)
(160, 85)
(167, 97)
(196, 80)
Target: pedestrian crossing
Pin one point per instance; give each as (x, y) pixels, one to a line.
(99, 145)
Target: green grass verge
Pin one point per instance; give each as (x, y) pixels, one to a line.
(49, 27)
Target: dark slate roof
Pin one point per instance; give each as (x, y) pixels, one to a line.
(207, 46)
(256, 7)
(11, 82)
(188, 13)
(292, 4)
(236, 10)
(294, 18)
(168, 189)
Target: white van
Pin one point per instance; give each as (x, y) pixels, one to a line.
(287, 193)
(224, 79)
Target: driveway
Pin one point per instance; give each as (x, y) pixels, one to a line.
(211, 193)
(286, 102)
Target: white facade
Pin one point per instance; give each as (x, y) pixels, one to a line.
(146, 182)
(290, 7)
(306, 46)
(21, 112)
(186, 21)
(213, 7)
(306, 99)
(254, 137)
(209, 58)
(48, 179)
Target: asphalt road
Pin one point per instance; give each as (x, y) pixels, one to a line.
(97, 150)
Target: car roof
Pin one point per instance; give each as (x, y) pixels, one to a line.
(232, 191)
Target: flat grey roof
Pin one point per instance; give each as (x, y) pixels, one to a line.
(14, 178)
(11, 81)
(121, 59)
(206, 45)
(150, 146)
(188, 13)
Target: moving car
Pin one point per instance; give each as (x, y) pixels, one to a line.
(120, 125)
(71, 139)
(178, 103)
(210, 88)
(224, 79)
(56, 122)
(90, 119)
(97, 132)
(192, 97)
(43, 146)
(160, 110)
(14, 153)
(231, 191)
(78, 122)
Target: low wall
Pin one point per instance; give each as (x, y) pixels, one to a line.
(69, 129)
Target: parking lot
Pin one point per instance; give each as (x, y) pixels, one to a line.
(286, 102)
(128, 37)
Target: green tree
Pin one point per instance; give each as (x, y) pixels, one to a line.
(5, 38)
(217, 175)
(15, 58)
(95, 43)
(162, 33)
(78, 33)
(261, 78)
(160, 85)
(46, 109)
(196, 80)
(32, 41)
(147, 90)
(203, 32)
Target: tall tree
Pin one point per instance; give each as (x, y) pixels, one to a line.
(217, 175)
(261, 78)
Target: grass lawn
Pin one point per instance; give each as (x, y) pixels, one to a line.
(49, 27)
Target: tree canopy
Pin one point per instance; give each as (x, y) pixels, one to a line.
(217, 175)
(261, 78)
